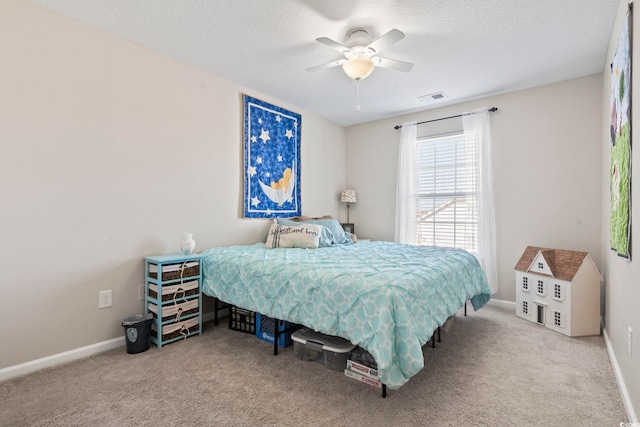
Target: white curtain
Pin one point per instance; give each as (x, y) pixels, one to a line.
(477, 128)
(407, 185)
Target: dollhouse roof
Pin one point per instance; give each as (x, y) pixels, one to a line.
(563, 264)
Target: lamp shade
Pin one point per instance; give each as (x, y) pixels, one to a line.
(348, 196)
(358, 67)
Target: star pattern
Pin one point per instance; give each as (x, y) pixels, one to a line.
(264, 136)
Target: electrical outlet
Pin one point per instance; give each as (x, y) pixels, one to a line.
(140, 292)
(105, 299)
(630, 340)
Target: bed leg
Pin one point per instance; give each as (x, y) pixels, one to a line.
(439, 338)
(465, 309)
(384, 391)
(275, 337)
(433, 341)
(215, 311)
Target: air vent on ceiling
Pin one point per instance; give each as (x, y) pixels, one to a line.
(436, 96)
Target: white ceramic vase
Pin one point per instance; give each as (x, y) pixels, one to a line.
(187, 245)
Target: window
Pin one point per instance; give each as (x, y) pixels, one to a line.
(525, 307)
(447, 210)
(557, 318)
(557, 292)
(540, 288)
(540, 266)
(525, 284)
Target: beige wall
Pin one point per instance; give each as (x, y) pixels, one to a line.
(622, 278)
(547, 170)
(109, 153)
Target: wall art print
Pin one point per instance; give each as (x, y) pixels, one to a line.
(620, 169)
(271, 160)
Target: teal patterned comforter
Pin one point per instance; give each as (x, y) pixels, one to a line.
(386, 297)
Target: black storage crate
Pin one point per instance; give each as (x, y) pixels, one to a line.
(242, 320)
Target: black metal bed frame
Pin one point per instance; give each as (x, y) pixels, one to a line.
(293, 327)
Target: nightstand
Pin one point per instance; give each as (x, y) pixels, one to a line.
(349, 227)
(173, 293)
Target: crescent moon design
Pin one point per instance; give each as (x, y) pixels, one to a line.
(282, 193)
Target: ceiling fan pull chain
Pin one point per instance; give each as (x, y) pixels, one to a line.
(358, 95)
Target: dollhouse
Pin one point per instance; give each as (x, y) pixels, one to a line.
(559, 289)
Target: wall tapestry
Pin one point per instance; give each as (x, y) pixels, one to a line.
(271, 160)
(620, 170)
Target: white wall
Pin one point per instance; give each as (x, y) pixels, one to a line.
(547, 170)
(109, 153)
(622, 278)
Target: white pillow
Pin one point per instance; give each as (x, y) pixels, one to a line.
(300, 236)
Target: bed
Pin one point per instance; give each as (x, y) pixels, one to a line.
(388, 298)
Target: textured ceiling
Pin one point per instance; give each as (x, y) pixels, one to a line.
(466, 48)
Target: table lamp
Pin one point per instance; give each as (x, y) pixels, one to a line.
(348, 197)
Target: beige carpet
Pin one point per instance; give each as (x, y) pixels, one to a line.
(491, 369)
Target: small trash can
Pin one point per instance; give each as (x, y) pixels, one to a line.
(137, 332)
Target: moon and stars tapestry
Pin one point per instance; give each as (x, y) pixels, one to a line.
(620, 169)
(271, 160)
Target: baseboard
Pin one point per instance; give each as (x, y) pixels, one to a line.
(59, 359)
(503, 304)
(626, 399)
(68, 356)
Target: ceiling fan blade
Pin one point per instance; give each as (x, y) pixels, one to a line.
(393, 64)
(324, 66)
(386, 40)
(333, 45)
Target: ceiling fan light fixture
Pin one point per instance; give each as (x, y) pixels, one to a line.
(358, 67)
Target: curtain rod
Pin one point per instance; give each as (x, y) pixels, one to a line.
(491, 110)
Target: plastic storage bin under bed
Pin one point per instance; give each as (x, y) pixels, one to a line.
(331, 351)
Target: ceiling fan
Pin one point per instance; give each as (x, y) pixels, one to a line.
(360, 57)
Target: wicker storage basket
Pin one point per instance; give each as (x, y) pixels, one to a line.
(176, 271)
(175, 311)
(174, 330)
(179, 290)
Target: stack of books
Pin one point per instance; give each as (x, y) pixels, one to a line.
(364, 373)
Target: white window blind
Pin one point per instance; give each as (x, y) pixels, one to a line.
(447, 209)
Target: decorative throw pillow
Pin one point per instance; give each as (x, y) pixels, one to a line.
(299, 236)
(338, 235)
(326, 237)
